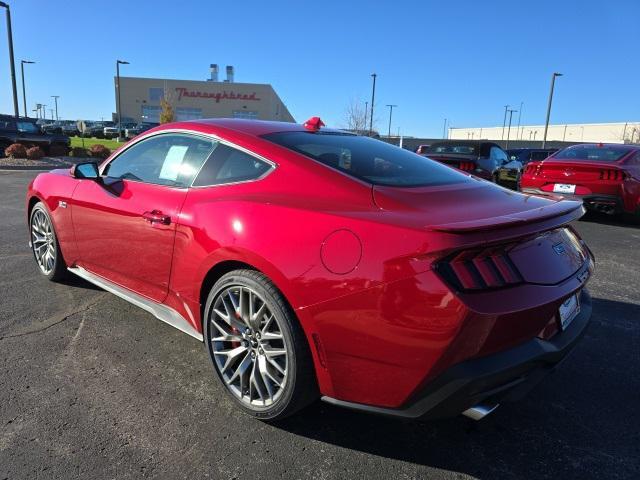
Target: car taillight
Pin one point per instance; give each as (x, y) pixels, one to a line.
(532, 169)
(467, 166)
(480, 269)
(611, 175)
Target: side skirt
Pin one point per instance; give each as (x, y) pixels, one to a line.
(160, 311)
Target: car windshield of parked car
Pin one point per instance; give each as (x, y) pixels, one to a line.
(28, 127)
(453, 148)
(370, 160)
(592, 153)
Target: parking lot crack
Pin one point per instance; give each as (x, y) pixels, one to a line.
(59, 318)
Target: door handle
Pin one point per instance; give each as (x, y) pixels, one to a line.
(156, 216)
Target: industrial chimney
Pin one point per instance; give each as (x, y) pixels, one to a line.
(229, 74)
(214, 73)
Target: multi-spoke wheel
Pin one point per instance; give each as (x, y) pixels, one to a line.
(45, 245)
(257, 347)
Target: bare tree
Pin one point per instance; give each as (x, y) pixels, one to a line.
(356, 118)
(166, 104)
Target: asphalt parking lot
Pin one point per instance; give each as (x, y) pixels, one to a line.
(93, 387)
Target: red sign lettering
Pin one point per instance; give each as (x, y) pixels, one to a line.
(217, 96)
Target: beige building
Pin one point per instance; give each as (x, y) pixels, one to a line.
(140, 99)
(622, 132)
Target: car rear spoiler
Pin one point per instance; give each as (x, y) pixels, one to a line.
(572, 209)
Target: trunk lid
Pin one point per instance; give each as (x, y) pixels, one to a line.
(492, 229)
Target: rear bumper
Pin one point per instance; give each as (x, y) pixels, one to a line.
(610, 204)
(500, 377)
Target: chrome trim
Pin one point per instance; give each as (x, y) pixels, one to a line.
(479, 411)
(160, 311)
(209, 136)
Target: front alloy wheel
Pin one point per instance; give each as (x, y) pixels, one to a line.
(257, 346)
(44, 244)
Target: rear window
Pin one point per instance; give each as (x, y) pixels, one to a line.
(370, 160)
(592, 152)
(454, 148)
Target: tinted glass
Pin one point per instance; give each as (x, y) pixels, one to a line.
(370, 160)
(28, 127)
(607, 153)
(459, 148)
(498, 154)
(539, 155)
(230, 165)
(170, 159)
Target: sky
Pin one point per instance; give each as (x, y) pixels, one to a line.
(461, 60)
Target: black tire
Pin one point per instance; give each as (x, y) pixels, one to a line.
(59, 270)
(300, 389)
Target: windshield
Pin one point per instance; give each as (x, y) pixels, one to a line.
(456, 148)
(608, 153)
(28, 127)
(370, 160)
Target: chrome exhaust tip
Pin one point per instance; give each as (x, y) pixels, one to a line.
(478, 412)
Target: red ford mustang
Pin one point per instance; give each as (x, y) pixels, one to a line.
(605, 177)
(313, 262)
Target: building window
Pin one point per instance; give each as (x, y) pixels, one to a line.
(156, 94)
(249, 114)
(151, 113)
(184, 113)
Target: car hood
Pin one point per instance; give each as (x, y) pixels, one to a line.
(471, 206)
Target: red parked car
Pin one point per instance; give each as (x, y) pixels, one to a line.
(313, 262)
(605, 177)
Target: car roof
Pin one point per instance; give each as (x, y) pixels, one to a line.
(250, 127)
(622, 146)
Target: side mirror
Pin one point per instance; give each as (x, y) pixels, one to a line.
(88, 170)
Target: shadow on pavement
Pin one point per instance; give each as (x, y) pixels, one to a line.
(572, 425)
(627, 220)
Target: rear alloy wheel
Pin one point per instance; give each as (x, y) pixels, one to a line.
(257, 347)
(44, 244)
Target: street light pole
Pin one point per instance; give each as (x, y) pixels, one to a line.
(504, 122)
(24, 94)
(55, 98)
(11, 61)
(118, 63)
(444, 128)
(366, 115)
(519, 116)
(390, 113)
(546, 124)
(373, 97)
(509, 130)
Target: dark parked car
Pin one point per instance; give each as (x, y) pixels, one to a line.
(480, 158)
(131, 132)
(27, 132)
(509, 174)
(53, 127)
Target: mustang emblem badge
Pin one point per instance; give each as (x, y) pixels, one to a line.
(568, 172)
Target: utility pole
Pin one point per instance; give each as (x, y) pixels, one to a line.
(11, 61)
(444, 129)
(118, 63)
(519, 117)
(504, 122)
(390, 113)
(509, 131)
(546, 124)
(56, 97)
(373, 97)
(24, 94)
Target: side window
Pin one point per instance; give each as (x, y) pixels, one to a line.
(230, 165)
(539, 155)
(166, 159)
(635, 160)
(498, 154)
